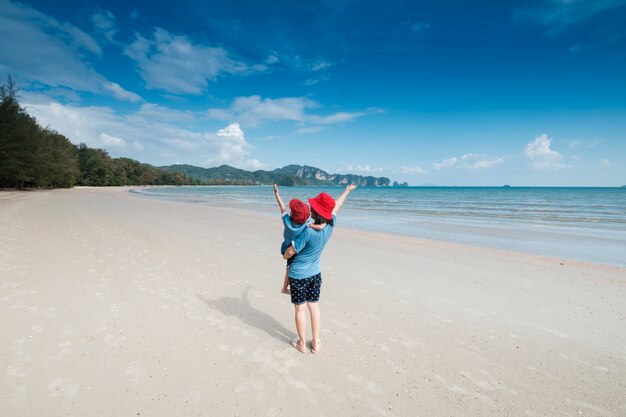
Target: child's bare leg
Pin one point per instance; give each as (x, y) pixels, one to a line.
(285, 289)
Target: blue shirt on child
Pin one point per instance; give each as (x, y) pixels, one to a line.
(290, 232)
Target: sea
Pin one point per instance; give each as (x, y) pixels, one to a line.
(584, 224)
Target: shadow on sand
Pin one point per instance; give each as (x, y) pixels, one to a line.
(243, 310)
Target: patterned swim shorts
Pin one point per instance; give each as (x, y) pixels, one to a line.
(306, 290)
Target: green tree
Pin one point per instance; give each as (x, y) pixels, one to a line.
(96, 166)
(17, 129)
(32, 156)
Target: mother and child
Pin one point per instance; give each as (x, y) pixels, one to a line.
(304, 241)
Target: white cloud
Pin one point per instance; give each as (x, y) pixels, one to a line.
(175, 64)
(137, 135)
(469, 161)
(254, 110)
(420, 26)
(121, 94)
(582, 143)
(231, 131)
(560, 15)
(156, 113)
(112, 141)
(308, 130)
(605, 162)
(413, 170)
(540, 149)
(542, 156)
(233, 149)
(447, 163)
(271, 59)
(365, 169)
(320, 64)
(105, 24)
(314, 81)
(473, 161)
(42, 49)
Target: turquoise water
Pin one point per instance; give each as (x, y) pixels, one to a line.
(587, 224)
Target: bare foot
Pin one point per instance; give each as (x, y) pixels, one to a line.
(285, 290)
(316, 345)
(299, 344)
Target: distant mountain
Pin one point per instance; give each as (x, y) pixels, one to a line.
(287, 175)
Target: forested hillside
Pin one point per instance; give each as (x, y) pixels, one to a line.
(288, 175)
(32, 156)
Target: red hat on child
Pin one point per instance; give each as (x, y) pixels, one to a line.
(299, 211)
(323, 205)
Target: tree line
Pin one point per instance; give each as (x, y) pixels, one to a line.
(32, 156)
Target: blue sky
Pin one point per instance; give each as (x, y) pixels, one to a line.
(445, 93)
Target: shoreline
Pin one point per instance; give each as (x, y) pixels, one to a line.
(117, 305)
(270, 209)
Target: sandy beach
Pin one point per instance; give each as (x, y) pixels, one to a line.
(113, 304)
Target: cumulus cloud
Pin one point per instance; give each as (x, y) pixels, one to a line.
(605, 162)
(447, 163)
(112, 141)
(56, 54)
(175, 64)
(254, 110)
(542, 156)
(132, 134)
(233, 149)
(469, 161)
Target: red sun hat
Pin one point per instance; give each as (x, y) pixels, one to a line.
(323, 204)
(299, 211)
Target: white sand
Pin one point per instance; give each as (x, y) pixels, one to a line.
(112, 304)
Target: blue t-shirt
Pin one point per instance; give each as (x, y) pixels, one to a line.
(290, 232)
(309, 246)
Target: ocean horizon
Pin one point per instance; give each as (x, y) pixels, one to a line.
(579, 223)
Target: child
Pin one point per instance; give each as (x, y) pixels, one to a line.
(294, 223)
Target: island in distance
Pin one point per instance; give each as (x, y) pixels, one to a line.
(287, 175)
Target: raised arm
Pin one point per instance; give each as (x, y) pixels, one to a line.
(279, 200)
(342, 198)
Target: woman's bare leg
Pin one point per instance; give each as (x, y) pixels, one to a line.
(300, 326)
(314, 310)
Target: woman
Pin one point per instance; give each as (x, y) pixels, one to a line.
(305, 277)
